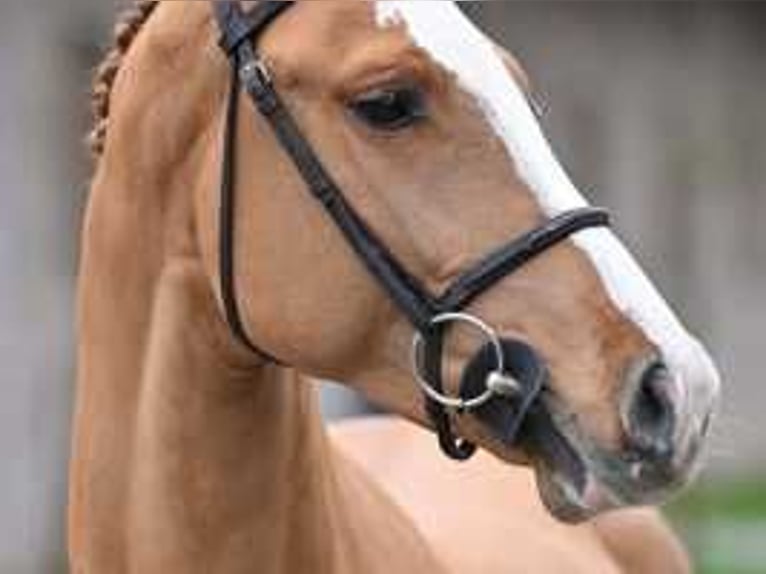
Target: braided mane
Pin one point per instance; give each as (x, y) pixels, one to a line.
(129, 24)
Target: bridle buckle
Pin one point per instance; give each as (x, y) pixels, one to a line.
(503, 385)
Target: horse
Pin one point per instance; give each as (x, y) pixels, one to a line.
(214, 291)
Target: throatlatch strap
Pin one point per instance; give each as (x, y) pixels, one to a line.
(237, 27)
(227, 224)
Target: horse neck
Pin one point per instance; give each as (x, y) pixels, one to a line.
(185, 460)
(188, 456)
(178, 449)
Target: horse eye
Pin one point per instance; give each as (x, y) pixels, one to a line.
(390, 109)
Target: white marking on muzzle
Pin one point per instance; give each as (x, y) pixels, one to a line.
(452, 40)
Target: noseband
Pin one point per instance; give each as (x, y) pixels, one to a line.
(509, 374)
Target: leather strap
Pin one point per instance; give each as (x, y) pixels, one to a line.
(226, 218)
(239, 27)
(517, 253)
(454, 447)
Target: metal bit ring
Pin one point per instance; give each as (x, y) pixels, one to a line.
(457, 403)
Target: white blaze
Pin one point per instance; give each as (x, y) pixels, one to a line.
(440, 28)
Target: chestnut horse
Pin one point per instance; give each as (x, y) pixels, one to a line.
(194, 454)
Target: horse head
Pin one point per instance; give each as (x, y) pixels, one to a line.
(426, 126)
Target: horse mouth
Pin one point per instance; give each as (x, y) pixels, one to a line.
(560, 494)
(577, 480)
(571, 499)
(564, 481)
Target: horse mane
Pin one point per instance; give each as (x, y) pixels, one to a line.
(129, 24)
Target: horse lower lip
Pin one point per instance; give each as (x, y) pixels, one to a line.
(562, 477)
(560, 496)
(574, 499)
(548, 445)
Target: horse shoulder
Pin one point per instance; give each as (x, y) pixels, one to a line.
(485, 516)
(642, 541)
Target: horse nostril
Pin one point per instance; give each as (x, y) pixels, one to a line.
(651, 414)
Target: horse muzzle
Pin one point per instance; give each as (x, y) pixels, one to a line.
(666, 416)
(505, 387)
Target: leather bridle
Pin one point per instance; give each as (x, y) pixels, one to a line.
(507, 376)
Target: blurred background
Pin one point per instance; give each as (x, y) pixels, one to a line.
(657, 109)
